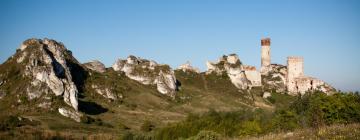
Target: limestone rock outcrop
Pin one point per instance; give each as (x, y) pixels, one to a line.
(42, 69)
(275, 78)
(148, 72)
(243, 77)
(188, 68)
(95, 65)
(47, 63)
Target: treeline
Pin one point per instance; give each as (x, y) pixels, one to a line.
(309, 111)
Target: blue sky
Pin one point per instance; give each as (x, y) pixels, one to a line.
(325, 32)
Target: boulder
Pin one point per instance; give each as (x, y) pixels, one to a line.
(70, 114)
(95, 65)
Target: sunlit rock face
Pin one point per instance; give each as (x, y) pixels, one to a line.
(252, 75)
(42, 69)
(148, 72)
(48, 63)
(275, 78)
(70, 114)
(95, 65)
(243, 77)
(188, 68)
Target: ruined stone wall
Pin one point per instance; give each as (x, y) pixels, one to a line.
(265, 54)
(295, 69)
(305, 84)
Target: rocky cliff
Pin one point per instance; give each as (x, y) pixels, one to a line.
(233, 68)
(41, 69)
(148, 72)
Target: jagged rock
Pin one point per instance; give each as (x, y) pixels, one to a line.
(266, 94)
(48, 63)
(252, 75)
(238, 78)
(232, 66)
(166, 82)
(96, 65)
(148, 72)
(187, 67)
(275, 78)
(70, 114)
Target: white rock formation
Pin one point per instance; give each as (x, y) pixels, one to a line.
(188, 68)
(243, 77)
(96, 65)
(70, 114)
(275, 78)
(166, 81)
(252, 75)
(48, 64)
(148, 72)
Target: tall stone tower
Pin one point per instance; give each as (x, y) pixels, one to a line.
(265, 55)
(295, 66)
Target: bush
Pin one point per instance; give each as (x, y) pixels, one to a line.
(311, 110)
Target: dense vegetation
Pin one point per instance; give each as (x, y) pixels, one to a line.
(313, 110)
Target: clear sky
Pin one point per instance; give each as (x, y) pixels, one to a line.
(325, 32)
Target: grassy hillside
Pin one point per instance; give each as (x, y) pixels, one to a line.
(206, 105)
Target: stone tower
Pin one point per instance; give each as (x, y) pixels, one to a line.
(265, 55)
(295, 67)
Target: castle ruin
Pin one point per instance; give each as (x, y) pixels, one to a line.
(265, 55)
(296, 82)
(295, 69)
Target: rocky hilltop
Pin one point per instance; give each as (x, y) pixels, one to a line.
(242, 76)
(43, 74)
(41, 69)
(148, 72)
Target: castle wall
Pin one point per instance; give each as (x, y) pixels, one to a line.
(295, 70)
(265, 54)
(305, 84)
